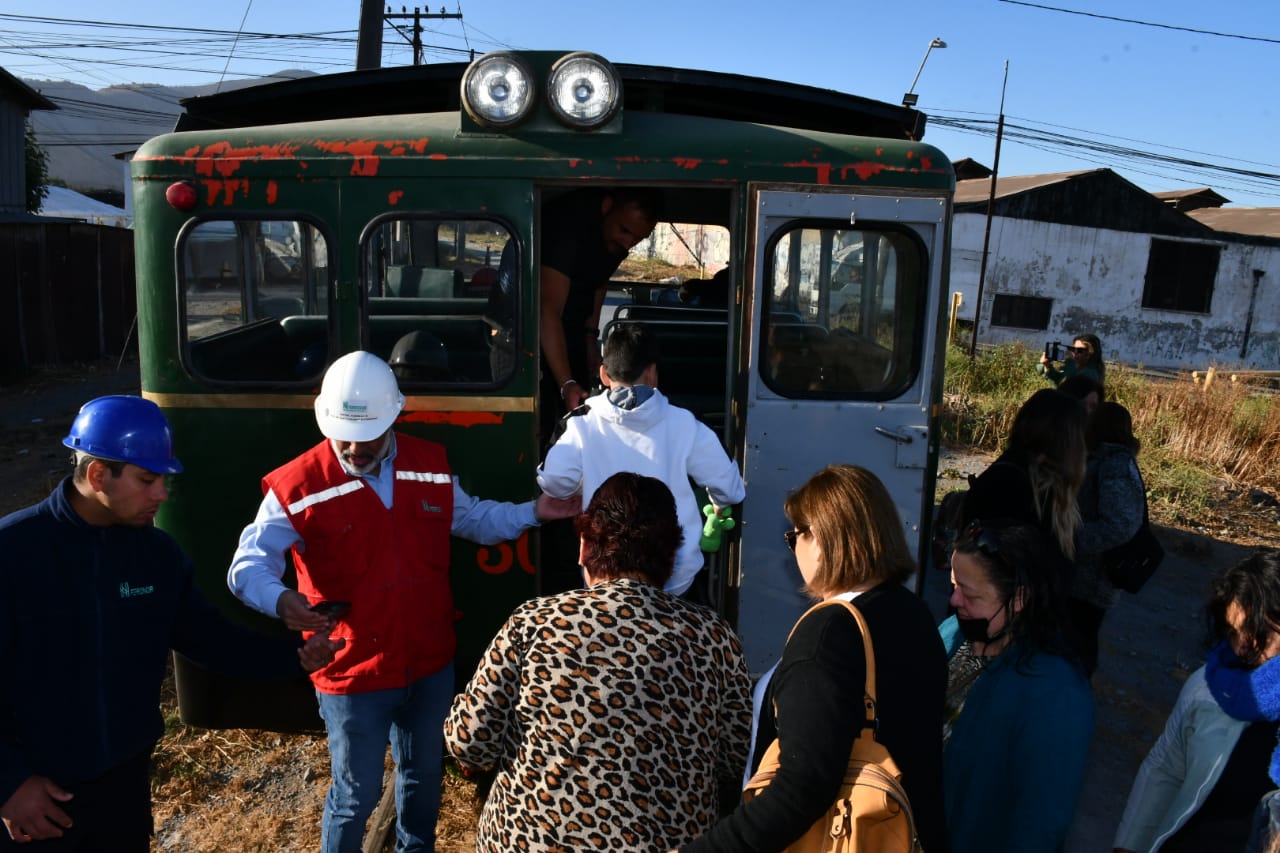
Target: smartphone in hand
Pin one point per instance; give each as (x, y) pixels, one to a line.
(332, 609)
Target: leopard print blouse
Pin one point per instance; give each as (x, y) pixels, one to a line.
(612, 714)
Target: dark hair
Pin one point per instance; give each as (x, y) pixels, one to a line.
(1081, 386)
(1111, 423)
(628, 351)
(647, 199)
(630, 530)
(857, 528)
(82, 460)
(1021, 564)
(1254, 584)
(1095, 355)
(1049, 434)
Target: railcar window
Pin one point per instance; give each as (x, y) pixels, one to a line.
(255, 300)
(843, 313)
(442, 298)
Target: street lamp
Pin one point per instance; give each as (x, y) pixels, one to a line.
(909, 99)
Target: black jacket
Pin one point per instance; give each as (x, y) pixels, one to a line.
(817, 689)
(88, 615)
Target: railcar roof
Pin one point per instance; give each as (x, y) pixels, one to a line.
(435, 88)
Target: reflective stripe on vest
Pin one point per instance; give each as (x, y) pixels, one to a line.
(320, 497)
(423, 477)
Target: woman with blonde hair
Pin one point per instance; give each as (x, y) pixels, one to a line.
(1037, 478)
(849, 544)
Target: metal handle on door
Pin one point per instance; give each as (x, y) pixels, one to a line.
(896, 436)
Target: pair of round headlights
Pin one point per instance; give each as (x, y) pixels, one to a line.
(583, 90)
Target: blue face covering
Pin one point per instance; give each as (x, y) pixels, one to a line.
(1245, 694)
(629, 396)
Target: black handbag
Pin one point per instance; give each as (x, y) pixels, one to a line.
(1132, 564)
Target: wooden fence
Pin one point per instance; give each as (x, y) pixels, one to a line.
(66, 295)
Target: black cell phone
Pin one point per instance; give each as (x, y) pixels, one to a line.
(332, 609)
(1053, 350)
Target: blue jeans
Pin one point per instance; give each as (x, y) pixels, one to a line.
(358, 725)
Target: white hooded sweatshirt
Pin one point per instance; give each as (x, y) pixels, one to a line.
(655, 439)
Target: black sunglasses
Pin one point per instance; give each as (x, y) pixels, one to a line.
(791, 536)
(984, 539)
(1078, 350)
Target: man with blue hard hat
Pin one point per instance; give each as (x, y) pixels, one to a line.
(94, 598)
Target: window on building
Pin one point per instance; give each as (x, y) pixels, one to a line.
(1180, 276)
(1021, 312)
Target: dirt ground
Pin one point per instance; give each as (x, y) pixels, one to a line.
(260, 791)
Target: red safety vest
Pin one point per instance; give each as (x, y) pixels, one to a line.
(391, 564)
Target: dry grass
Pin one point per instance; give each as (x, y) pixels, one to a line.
(263, 792)
(1196, 441)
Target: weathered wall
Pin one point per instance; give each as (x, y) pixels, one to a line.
(1096, 277)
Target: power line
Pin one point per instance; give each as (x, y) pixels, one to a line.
(1092, 148)
(1140, 23)
(235, 42)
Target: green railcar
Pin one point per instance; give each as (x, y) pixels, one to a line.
(281, 226)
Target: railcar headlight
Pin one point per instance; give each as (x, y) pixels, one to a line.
(496, 90)
(584, 90)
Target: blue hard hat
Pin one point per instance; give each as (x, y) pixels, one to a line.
(126, 429)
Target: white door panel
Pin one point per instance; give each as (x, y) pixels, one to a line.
(843, 360)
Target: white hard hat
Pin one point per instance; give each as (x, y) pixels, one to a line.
(359, 398)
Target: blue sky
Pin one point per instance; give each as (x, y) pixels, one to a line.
(1126, 90)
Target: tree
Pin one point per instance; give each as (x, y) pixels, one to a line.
(37, 162)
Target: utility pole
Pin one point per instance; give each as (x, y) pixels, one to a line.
(417, 15)
(369, 39)
(991, 202)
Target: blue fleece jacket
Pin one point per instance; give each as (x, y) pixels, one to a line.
(88, 615)
(1016, 758)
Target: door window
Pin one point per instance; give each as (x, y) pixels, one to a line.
(842, 316)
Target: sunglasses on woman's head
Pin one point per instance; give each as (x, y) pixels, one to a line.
(983, 538)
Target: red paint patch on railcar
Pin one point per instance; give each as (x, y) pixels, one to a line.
(273, 192)
(864, 170)
(393, 197)
(822, 171)
(367, 154)
(223, 160)
(462, 419)
(226, 190)
(688, 162)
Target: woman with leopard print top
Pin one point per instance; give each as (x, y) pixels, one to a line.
(616, 714)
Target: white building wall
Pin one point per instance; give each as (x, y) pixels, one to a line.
(1096, 277)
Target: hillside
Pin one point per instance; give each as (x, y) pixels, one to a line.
(92, 126)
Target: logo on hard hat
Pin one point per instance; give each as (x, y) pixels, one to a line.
(355, 410)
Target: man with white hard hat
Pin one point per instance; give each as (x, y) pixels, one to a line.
(368, 513)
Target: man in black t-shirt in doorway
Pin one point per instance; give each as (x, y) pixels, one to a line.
(585, 236)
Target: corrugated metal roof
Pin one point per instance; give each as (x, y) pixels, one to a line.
(23, 94)
(1258, 221)
(979, 189)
